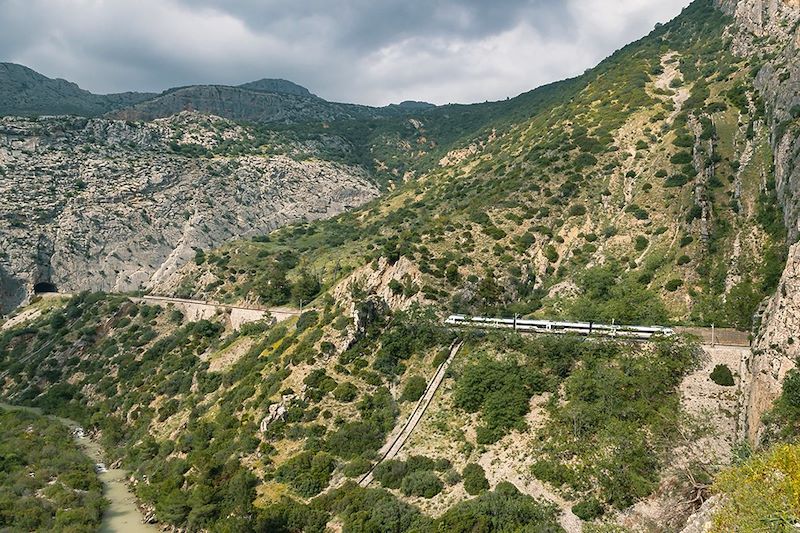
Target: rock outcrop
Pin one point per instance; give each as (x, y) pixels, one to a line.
(768, 32)
(114, 206)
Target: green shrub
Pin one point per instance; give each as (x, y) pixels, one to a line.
(506, 508)
(640, 243)
(550, 253)
(357, 467)
(673, 285)
(676, 180)
(681, 158)
(501, 391)
(475, 481)
(422, 483)
(577, 210)
(345, 392)
(390, 473)
(307, 473)
(721, 375)
(414, 389)
(588, 509)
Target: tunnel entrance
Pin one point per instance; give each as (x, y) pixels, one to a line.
(44, 287)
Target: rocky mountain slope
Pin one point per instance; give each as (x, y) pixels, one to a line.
(658, 187)
(24, 92)
(107, 205)
(28, 93)
(250, 103)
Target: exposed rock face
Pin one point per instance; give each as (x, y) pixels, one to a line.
(772, 27)
(777, 346)
(107, 205)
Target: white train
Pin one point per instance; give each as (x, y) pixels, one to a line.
(551, 327)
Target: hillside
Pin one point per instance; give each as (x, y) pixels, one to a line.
(662, 189)
(27, 93)
(657, 188)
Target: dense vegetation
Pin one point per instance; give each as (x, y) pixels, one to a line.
(613, 409)
(46, 483)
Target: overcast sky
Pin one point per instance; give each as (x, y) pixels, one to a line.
(364, 51)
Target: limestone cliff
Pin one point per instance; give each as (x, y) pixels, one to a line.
(768, 32)
(114, 206)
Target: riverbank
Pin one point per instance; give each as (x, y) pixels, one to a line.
(122, 514)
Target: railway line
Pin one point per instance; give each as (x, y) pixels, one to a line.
(561, 328)
(708, 336)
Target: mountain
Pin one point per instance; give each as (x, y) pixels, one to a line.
(660, 187)
(264, 101)
(26, 92)
(269, 85)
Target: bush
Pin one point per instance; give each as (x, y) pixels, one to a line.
(422, 483)
(501, 391)
(345, 392)
(676, 180)
(721, 375)
(673, 285)
(681, 158)
(357, 467)
(475, 481)
(550, 253)
(504, 509)
(577, 210)
(306, 320)
(640, 243)
(307, 473)
(390, 473)
(588, 509)
(414, 389)
(761, 491)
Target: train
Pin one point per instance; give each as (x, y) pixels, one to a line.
(562, 328)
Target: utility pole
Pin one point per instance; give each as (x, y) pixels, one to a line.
(712, 336)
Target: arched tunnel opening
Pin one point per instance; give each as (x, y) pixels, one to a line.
(44, 287)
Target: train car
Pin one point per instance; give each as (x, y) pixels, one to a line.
(561, 328)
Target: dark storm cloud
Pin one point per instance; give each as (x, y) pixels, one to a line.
(372, 52)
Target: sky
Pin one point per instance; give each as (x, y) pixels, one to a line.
(363, 51)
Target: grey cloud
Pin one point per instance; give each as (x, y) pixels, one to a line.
(372, 52)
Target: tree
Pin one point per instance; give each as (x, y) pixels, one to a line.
(305, 288)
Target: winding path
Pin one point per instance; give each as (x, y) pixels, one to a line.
(393, 447)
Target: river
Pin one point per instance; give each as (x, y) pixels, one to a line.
(122, 514)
